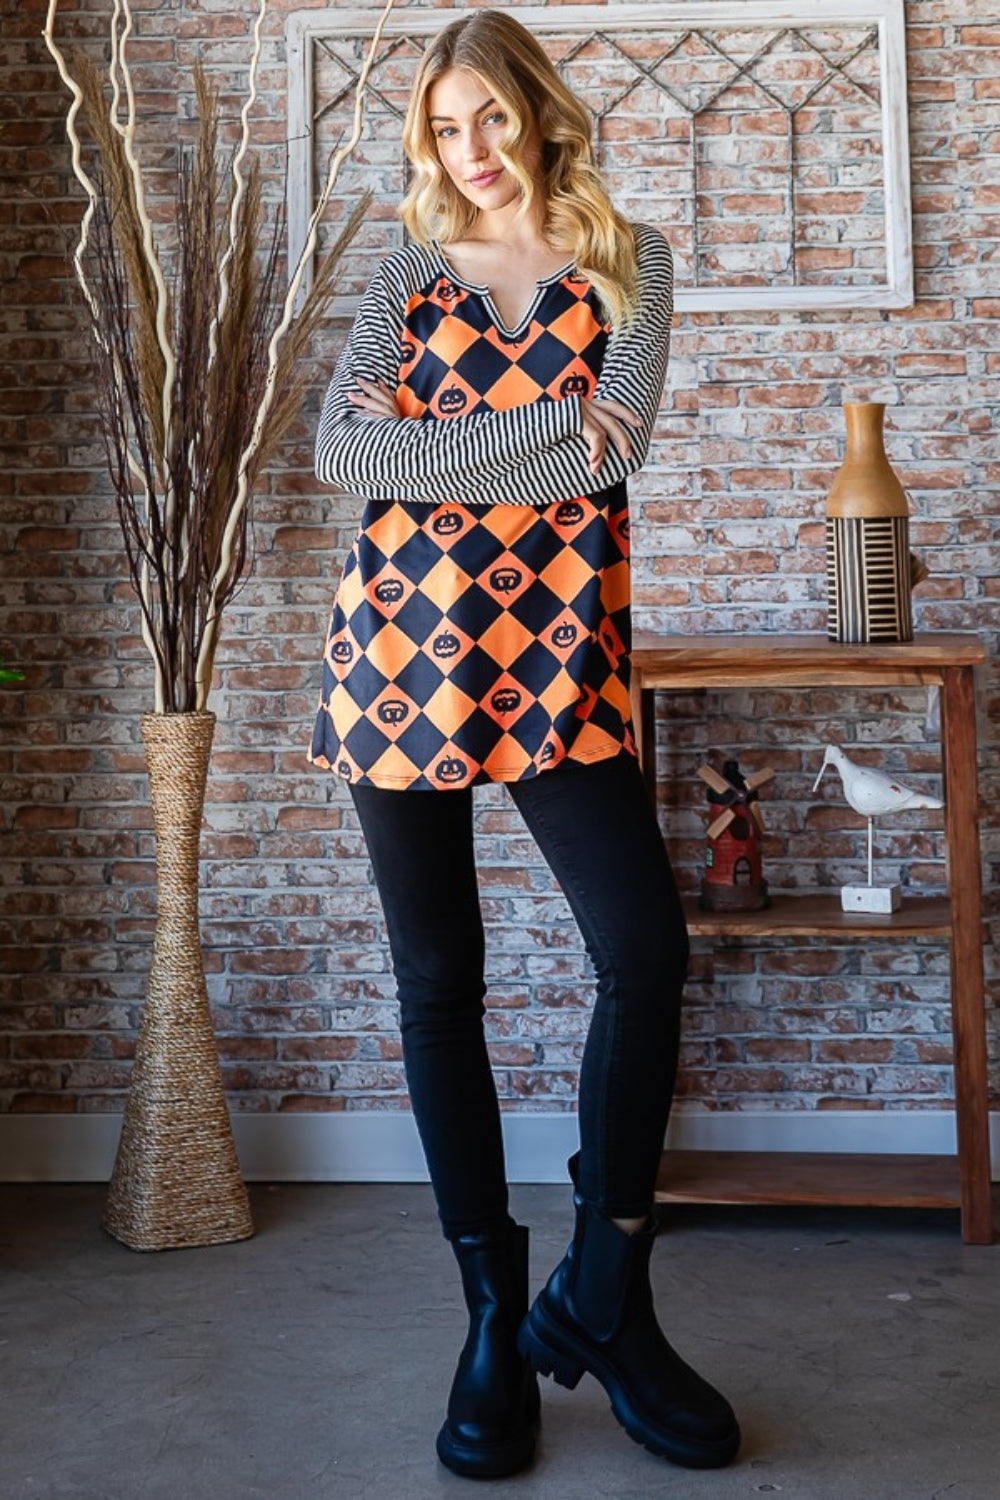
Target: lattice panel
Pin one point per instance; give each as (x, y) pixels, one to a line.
(771, 153)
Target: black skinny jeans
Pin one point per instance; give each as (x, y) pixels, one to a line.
(597, 830)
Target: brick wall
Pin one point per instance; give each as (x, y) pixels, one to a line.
(728, 535)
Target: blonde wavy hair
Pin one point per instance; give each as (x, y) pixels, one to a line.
(579, 216)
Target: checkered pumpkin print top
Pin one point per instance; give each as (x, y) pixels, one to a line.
(481, 627)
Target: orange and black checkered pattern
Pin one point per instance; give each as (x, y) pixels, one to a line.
(482, 643)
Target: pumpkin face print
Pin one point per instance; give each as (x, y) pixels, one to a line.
(451, 769)
(466, 626)
(446, 644)
(452, 400)
(389, 591)
(569, 513)
(505, 580)
(505, 700)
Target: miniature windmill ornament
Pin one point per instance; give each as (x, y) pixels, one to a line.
(872, 793)
(733, 880)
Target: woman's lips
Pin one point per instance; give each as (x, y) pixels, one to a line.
(485, 178)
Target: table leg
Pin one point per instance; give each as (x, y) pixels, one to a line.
(958, 745)
(644, 728)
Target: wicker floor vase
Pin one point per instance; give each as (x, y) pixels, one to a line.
(176, 1180)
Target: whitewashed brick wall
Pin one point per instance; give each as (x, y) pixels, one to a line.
(728, 536)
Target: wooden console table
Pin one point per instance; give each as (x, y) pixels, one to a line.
(808, 661)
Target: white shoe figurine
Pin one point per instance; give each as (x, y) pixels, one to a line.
(871, 793)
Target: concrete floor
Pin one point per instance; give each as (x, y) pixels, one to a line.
(860, 1350)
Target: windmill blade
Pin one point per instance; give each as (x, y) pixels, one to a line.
(715, 781)
(755, 813)
(721, 823)
(759, 777)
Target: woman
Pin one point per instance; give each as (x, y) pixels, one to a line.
(498, 386)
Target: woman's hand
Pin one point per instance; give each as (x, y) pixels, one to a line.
(375, 398)
(603, 420)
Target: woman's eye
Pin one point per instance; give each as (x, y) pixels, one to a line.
(497, 115)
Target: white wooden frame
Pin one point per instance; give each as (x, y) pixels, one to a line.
(887, 15)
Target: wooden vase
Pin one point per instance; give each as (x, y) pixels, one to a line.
(868, 564)
(176, 1180)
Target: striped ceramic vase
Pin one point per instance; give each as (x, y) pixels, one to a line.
(868, 564)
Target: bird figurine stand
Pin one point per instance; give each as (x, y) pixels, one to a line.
(871, 793)
(733, 879)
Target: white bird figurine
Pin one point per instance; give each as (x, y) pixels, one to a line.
(871, 793)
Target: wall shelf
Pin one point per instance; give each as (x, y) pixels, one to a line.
(809, 1177)
(948, 661)
(814, 914)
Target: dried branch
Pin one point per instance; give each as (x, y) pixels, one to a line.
(126, 133)
(221, 588)
(240, 153)
(86, 182)
(83, 177)
(118, 188)
(198, 380)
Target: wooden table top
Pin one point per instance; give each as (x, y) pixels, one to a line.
(701, 660)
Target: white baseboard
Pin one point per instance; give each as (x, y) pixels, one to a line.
(367, 1146)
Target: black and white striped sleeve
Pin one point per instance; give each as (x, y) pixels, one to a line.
(532, 454)
(389, 459)
(635, 363)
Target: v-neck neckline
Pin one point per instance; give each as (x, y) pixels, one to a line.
(542, 284)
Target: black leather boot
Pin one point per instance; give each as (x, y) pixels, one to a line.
(596, 1313)
(493, 1409)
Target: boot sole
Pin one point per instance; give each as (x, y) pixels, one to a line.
(551, 1350)
(486, 1463)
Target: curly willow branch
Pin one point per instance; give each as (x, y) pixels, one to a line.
(206, 655)
(116, 95)
(337, 162)
(127, 133)
(115, 66)
(86, 182)
(238, 178)
(82, 177)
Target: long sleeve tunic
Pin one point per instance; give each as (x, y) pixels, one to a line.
(481, 630)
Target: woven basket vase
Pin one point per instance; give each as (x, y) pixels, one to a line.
(176, 1180)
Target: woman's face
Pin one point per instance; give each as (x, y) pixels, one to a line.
(467, 125)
